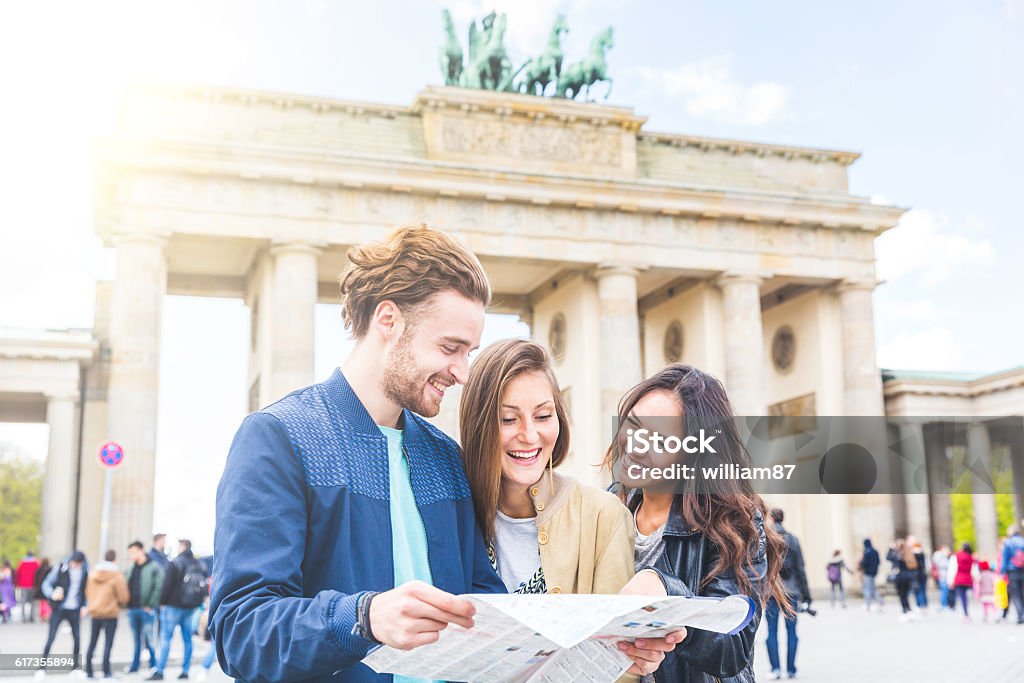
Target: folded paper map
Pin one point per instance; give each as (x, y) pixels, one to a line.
(555, 638)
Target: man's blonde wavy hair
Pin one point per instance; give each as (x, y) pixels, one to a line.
(409, 267)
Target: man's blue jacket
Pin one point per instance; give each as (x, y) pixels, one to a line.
(304, 528)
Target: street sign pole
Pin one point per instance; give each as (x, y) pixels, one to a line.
(110, 455)
(108, 484)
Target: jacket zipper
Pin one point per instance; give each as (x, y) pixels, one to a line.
(423, 525)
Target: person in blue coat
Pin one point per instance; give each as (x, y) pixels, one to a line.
(344, 518)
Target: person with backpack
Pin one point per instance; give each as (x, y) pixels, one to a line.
(1013, 569)
(185, 587)
(868, 566)
(64, 587)
(834, 570)
(905, 567)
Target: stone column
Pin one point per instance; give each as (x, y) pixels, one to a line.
(620, 337)
(915, 481)
(136, 308)
(986, 526)
(937, 465)
(294, 292)
(1017, 463)
(58, 514)
(862, 381)
(840, 528)
(896, 475)
(744, 342)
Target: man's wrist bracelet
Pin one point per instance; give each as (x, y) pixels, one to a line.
(363, 616)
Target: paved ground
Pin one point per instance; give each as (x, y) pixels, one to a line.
(852, 645)
(836, 646)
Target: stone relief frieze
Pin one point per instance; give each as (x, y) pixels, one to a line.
(164, 200)
(606, 225)
(373, 202)
(531, 142)
(684, 230)
(802, 239)
(768, 237)
(728, 234)
(468, 214)
(423, 209)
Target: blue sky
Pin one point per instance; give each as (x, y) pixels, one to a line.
(928, 92)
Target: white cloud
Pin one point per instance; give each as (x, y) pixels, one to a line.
(932, 348)
(920, 310)
(925, 244)
(710, 90)
(1013, 9)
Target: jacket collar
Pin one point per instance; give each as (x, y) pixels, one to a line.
(675, 526)
(354, 412)
(546, 502)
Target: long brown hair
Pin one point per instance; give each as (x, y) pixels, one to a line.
(480, 413)
(724, 510)
(906, 553)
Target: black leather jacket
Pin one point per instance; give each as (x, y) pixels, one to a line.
(705, 656)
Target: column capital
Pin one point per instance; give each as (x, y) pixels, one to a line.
(612, 268)
(64, 395)
(858, 285)
(156, 239)
(295, 247)
(733, 277)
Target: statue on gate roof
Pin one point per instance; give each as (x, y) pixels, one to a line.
(487, 65)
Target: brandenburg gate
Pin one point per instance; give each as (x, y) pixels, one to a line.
(622, 248)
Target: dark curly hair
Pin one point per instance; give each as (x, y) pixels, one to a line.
(724, 510)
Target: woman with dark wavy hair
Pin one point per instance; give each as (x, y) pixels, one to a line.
(696, 537)
(545, 532)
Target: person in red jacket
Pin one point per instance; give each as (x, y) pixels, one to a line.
(964, 581)
(24, 582)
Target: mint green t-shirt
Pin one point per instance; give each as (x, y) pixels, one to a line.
(408, 537)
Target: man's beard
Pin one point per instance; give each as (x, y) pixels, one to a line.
(402, 383)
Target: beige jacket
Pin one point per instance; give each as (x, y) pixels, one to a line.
(106, 592)
(585, 537)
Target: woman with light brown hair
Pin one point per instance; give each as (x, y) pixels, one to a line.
(901, 554)
(545, 532)
(696, 538)
(515, 433)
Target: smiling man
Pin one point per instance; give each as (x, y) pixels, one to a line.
(344, 519)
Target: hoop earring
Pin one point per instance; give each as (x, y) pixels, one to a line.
(551, 474)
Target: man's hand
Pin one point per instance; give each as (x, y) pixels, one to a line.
(415, 613)
(648, 653)
(58, 594)
(645, 582)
